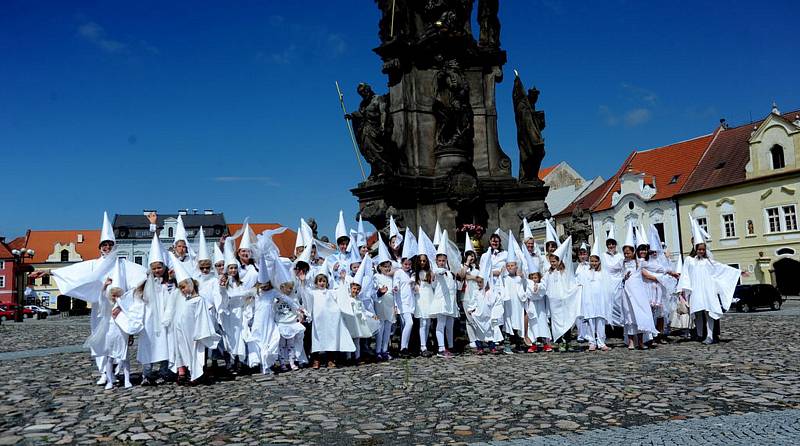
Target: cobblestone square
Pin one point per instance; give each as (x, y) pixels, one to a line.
(741, 391)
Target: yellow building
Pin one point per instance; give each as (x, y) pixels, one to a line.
(744, 192)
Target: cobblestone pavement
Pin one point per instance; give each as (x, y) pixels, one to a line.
(466, 399)
(55, 331)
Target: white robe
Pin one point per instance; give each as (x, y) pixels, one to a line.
(538, 312)
(232, 318)
(193, 332)
(328, 330)
(154, 340)
(498, 264)
(405, 292)
(596, 294)
(358, 319)
(613, 266)
(384, 304)
(488, 314)
(514, 291)
(263, 337)
(425, 307)
(564, 299)
(709, 285)
(445, 294)
(636, 300)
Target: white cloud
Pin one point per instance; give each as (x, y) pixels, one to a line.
(95, 34)
(266, 180)
(640, 94)
(608, 117)
(337, 44)
(637, 116)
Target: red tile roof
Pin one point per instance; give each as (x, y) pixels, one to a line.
(546, 170)
(43, 242)
(5, 251)
(285, 241)
(589, 200)
(660, 166)
(725, 160)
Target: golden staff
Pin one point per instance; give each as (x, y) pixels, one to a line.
(350, 130)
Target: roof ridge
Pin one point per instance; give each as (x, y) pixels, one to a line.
(759, 121)
(675, 143)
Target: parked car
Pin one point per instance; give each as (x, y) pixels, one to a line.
(6, 314)
(747, 298)
(40, 312)
(26, 312)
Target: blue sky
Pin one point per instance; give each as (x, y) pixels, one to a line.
(232, 106)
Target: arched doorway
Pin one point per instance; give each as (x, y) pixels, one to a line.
(787, 276)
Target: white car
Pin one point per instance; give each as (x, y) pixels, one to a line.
(38, 310)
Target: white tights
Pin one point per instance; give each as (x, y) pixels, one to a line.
(444, 323)
(596, 331)
(408, 324)
(383, 336)
(698, 322)
(424, 325)
(126, 371)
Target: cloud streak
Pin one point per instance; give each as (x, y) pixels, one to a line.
(294, 42)
(234, 179)
(95, 34)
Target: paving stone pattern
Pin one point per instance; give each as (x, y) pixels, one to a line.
(470, 398)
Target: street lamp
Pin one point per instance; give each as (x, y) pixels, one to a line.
(20, 270)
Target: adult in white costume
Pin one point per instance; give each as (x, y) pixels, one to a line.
(563, 292)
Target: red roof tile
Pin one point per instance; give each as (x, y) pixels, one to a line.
(285, 241)
(546, 170)
(660, 166)
(43, 242)
(5, 252)
(725, 160)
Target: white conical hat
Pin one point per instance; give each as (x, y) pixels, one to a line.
(437, 234)
(341, 228)
(596, 247)
(118, 279)
(156, 251)
(263, 270)
(299, 240)
(361, 235)
(550, 233)
(305, 256)
(364, 272)
(612, 233)
(629, 240)
(583, 247)
(425, 246)
(247, 238)
(180, 232)
(442, 247)
(468, 243)
(383, 251)
(218, 255)
(526, 230)
(202, 248)
(410, 246)
(230, 253)
(561, 252)
(512, 251)
(697, 233)
(641, 236)
(308, 233)
(485, 270)
(107, 233)
(180, 271)
(394, 232)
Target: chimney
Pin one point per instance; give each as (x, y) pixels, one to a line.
(208, 212)
(723, 123)
(183, 211)
(194, 211)
(80, 238)
(2, 239)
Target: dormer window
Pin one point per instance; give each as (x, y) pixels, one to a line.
(778, 161)
(674, 179)
(720, 165)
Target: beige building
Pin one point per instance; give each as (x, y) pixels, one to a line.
(744, 192)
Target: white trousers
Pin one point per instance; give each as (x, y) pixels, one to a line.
(424, 326)
(382, 337)
(596, 331)
(408, 325)
(444, 323)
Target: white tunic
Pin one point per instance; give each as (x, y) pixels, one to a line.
(445, 293)
(328, 330)
(154, 339)
(232, 318)
(709, 285)
(193, 333)
(425, 307)
(264, 336)
(636, 300)
(564, 299)
(596, 296)
(514, 292)
(404, 285)
(488, 314)
(384, 304)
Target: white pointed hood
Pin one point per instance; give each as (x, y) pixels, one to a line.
(156, 252)
(305, 256)
(698, 235)
(218, 255)
(612, 233)
(299, 240)
(341, 228)
(641, 236)
(364, 273)
(247, 237)
(561, 252)
(629, 240)
(425, 246)
(437, 234)
(596, 248)
(107, 233)
(526, 230)
(394, 232)
(512, 249)
(441, 249)
(361, 236)
(230, 253)
(202, 247)
(263, 270)
(583, 247)
(281, 273)
(180, 232)
(550, 233)
(180, 272)
(383, 251)
(410, 246)
(468, 243)
(118, 278)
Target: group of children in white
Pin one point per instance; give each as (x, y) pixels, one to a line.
(248, 306)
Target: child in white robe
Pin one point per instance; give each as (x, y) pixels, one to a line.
(110, 341)
(595, 302)
(289, 317)
(385, 309)
(404, 294)
(563, 294)
(469, 288)
(538, 314)
(487, 312)
(329, 334)
(445, 296)
(514, 294)
(424, 308)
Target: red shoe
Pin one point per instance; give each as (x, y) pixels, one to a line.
(547, 348)
(532, 349)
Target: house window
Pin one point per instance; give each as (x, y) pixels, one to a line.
(785, 252)
(789, 218)
(773, 220)
(2, 264)
(137, 260)
(2, 282)
(703, 223)
(728, 225)
(630, 205)
(674, 179)
(46, 279)
(122, 257)
(170, 232)
(751, 230)
(778, 161)
(660, 230)
(64, 255)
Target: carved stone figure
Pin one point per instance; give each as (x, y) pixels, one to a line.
(489, 23)
(397, 23)
(447, 17)
(530, 124)
(453, 113)
(578, 227)
(373, 132)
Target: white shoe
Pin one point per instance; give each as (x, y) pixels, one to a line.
(128, 384)
(102, 380)
(109, 386)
